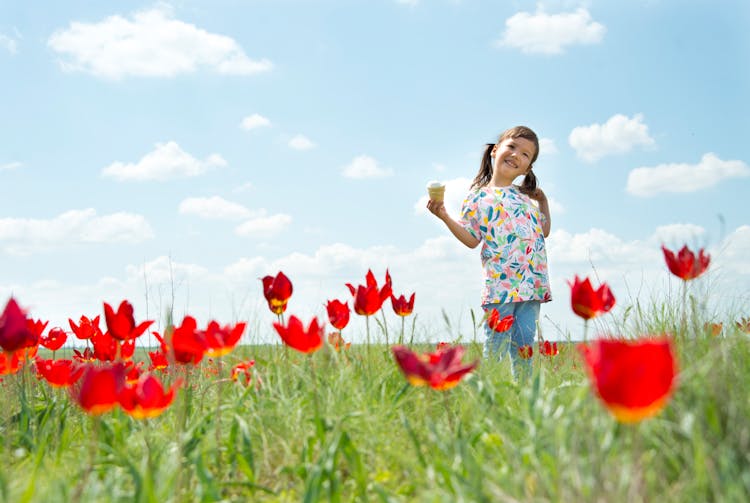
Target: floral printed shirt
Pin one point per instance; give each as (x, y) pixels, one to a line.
(513, 253)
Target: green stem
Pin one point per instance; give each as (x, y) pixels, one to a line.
(401, 337)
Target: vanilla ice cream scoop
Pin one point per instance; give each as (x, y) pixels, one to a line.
(436, 190)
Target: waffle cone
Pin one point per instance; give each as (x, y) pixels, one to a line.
(436, 193)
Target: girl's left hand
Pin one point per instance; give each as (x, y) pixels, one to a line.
(537, 195)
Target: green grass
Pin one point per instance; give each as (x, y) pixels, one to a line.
(347, 427)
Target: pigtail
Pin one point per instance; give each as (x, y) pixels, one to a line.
(485, 168)
(528, 185)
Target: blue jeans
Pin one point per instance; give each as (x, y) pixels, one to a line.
(521, 333)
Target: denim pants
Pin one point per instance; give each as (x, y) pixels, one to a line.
(521, 333)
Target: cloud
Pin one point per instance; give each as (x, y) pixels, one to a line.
(617, 136)
(264, 225)
(673, 236)
(550, 33)
(213, 208)
(683, 178)
(254, 121)
(301, 142)
(8, 43)
(22, 236)
(547, 146)
(364, 166)
(456, 190)
(10, 166)
(166, 162)
(151, 43)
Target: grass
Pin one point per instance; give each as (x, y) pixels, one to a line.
(346, 426)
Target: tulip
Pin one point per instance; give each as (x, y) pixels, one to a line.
(497, 324)
(633, 379)
(15, 333)
(188, 344)
(548, 348)
(159, 360)
(58, 373)
(400, 305)
(222, 340)
(338, 313)
(713, 329)
(98, 390)
(277, 291)
(368, 298)
(10, 363)
(587, 302)
(440, 370)
(54, 339)
(525, 352)
(87, 356)
(36, 327)
(121, 324)
(295, 336)
(743, 325)
(243, 369)
(338, 342)
(685, 264)
(146, 398)
(86, 328)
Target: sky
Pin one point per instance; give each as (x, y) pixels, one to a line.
(174, 153)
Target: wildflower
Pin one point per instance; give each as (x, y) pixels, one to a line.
(548, 348)
(15, 333)
(159, 360)
(107, 348)
(400, 305)
(146, 398)
(54, 339)
(634, 379)
(442, 345)
(587, 302)
(368, 298)
(99, 388)
(744, 325)
(295, 336)
(58, 373)
(713, 329)
(222, 340)
(440, 370)
(86, 328)
(121, 324)
(36, 327)
(338, 343)
(243, 370)
(497, 324)
(277, 290)
(525, 351)
(685, 264)
(338, 313)
(87, 356)
(10, 363)
(188, 344)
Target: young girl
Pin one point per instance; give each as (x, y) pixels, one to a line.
(511, 228)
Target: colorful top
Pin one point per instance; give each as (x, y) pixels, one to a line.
(513, 253)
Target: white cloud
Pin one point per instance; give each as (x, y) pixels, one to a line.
(410, 3)
(547, 146)
(650, 181)
(166, 162)
(364, 166)
(456, 190)
(264, 225)
(151, 43)
(164, 270)
(301, 142)
(550, 33)
(9, 44)
(10, 166)
(254, 121)
(214, 208)
(617, 136)
(245, 187)
(22, 236)
(673, 236)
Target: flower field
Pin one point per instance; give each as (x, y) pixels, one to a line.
(655, 412)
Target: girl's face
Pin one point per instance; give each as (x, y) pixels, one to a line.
(512, 158)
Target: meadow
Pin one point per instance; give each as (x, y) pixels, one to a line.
(348, 423)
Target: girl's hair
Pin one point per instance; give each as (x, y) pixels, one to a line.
(485, 169)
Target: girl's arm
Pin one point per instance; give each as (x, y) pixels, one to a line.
(539, 196)
(437, 208)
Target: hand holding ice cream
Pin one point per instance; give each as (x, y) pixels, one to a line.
(436, 191)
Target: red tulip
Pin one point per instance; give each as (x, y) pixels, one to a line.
(587, 302)
(58, 373)
(243, 369)
(107, 348)
(121, 324)
(10, 363)
(338, 313)
(188, 344)
(37, 327)
(548, 348)
(338, 342)
(222, 340)
(525, 352)
(159, 360)
(86, 327)
(401, 307)
(686, 265)
(87, 356)
(146, 398)
(368, 298)
(98, 390)
(295, 336)
(634, 379)
(54, 340)
(277, 291)
(15, 333)
(440, 370)
(497, 324)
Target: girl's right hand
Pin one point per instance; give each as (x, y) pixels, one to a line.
(437, 208)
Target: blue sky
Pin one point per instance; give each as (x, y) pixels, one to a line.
(185, 149)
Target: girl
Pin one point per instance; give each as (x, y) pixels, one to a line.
(511, 222)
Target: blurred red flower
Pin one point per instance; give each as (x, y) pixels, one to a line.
(713, 329)
(526, 351)
(686, 265)
(497, 324)
(15, 333)
(146, 398)
(86, 328)
(36, 326)
(440, 370)
(98, 390)
(338, 313)
(54, 339)
(243, 370)
(133, 372)
(159, 360)
(634, 379)
(188, 344)
(743, 324)
(587, 302)
(295, 336)
(109, 349)
(548, 348)
(368, 298)
(86, 356)
(58, 373)
(222, 340)
(277, 290)
(10, 362)
(401, 306)
(338, 342)
(121, 324)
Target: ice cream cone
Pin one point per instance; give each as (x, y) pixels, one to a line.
(436, 191)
